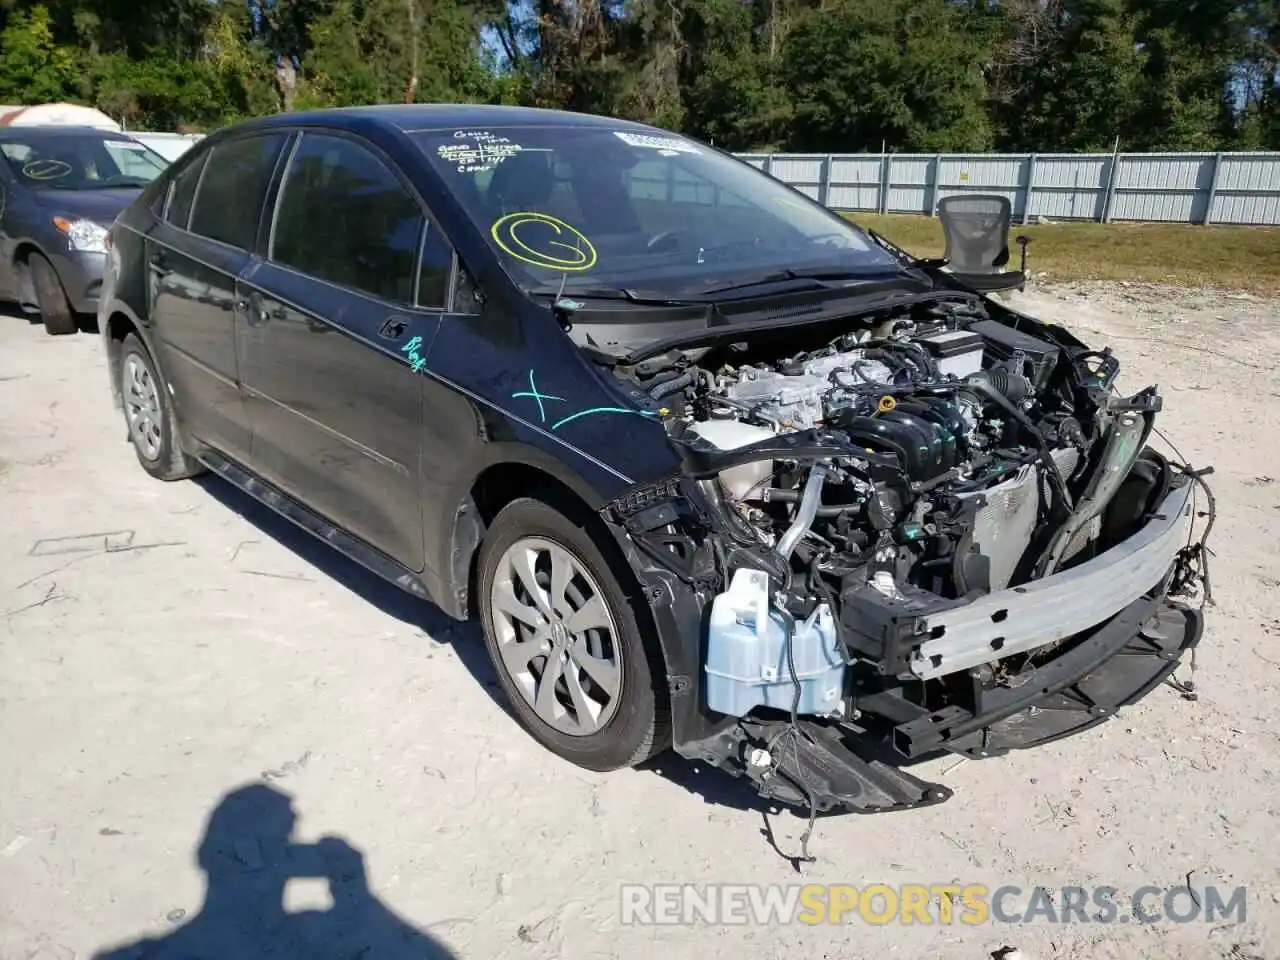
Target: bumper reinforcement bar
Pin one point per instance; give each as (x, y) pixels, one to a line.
(1063, 605)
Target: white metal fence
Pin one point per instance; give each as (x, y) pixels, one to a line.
(1236, 188)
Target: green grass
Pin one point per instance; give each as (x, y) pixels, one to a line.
(1236, 258)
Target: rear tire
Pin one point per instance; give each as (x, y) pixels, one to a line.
(148, 412)
(572, 661)
(55, 310)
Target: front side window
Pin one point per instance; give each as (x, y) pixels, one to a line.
(228, 204)
(58, 160)
(345, 217)
(590, 206)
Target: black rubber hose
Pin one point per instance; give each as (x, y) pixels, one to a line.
(674, 385)
(780, 495)
(1013, 386)
(1056, 480)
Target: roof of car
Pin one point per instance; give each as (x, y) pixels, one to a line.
(57, 129)
(434, 116)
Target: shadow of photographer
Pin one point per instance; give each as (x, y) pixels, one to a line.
(248, 857)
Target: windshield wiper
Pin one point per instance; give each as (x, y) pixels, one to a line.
(911, 260)
(821, 278)
(625, 294)
(133, 183)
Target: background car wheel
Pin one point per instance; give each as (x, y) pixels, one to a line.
(562, 631)
(153, 428)
(55, 310)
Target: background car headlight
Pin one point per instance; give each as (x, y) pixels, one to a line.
(83, 235)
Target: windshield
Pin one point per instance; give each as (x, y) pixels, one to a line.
(594, 208)
(79, 161)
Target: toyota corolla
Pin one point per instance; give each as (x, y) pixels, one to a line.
(715, 469)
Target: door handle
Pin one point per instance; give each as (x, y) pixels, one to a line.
(160, 265)
(393, 328)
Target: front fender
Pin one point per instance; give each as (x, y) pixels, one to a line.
(458, 517)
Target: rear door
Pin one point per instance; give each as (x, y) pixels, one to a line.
(340, 297)
(206, 239)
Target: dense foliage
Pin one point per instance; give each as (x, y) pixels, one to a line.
(829, 75)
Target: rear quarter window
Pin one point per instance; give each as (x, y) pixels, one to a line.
(182, 192)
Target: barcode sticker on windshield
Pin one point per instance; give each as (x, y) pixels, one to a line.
(667, 145)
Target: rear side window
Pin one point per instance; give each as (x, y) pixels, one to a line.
(229, 202)
(345, 217)
(183, 193)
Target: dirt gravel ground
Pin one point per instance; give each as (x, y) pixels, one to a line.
(164, 644)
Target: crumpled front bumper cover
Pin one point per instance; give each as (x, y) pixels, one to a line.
(1020, 619)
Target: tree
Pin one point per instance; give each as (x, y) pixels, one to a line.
(1086, 88)
(33, 67)
(904, 72)
(731, 74)
(829, 75)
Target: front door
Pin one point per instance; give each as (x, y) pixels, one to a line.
(8, 277)
(14, 225)
(332, 318)
(194, 256)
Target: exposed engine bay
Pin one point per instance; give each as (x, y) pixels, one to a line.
(964, 436)
(909, 521)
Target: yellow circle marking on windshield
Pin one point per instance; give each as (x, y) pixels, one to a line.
(45, 169)
(578, 255)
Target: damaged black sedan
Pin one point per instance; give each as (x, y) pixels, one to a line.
(716, 470)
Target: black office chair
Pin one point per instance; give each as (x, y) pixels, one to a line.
(976, 227)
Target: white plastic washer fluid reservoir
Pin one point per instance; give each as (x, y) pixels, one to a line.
(747, 664)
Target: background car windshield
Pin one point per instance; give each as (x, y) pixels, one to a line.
(80, 161)
(596, 207)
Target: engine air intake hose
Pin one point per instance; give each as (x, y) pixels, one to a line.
(1012, 386)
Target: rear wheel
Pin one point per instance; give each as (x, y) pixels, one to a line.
(55, 310)
(153, 427)
(565, 640)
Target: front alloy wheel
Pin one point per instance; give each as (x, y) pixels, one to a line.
(562, 622)
(557, 637)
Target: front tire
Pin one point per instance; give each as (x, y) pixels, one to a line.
(55, 310)
(565, 639)
(148, 411)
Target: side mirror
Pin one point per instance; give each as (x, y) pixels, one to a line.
(468, 298)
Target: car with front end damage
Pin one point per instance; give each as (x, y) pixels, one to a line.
(715, 469)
